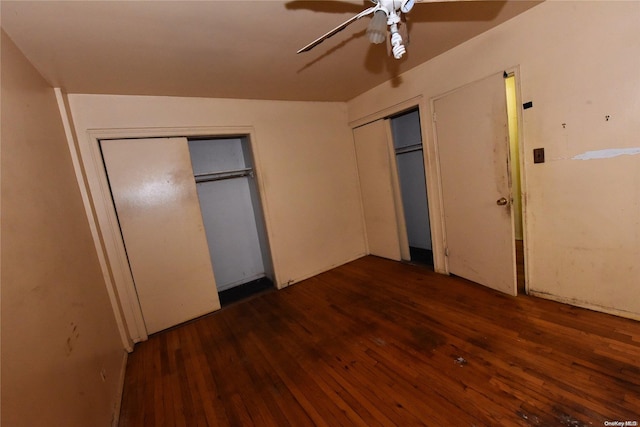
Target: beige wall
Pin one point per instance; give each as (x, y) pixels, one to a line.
(306, 164)
(58, 329)
(578, 63)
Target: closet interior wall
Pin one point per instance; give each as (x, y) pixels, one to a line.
(231, 210)
(407, 142)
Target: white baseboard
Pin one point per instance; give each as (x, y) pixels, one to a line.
(583, 304)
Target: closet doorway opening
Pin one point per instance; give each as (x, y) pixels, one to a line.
(190, 219)
(232, 215)
(407, 143)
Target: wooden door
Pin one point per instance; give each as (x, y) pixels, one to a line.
(157, 205)
(472, 143)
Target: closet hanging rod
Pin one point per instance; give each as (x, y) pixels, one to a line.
(409, 149)
(219, 176)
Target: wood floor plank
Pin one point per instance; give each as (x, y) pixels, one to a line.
(381, 343)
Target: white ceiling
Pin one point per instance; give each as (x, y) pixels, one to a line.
(230, 49)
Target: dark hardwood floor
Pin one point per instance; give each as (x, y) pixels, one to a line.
(381, 343)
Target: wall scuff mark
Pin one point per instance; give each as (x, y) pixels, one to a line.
(607, 154)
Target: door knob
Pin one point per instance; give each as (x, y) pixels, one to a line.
(501, 201)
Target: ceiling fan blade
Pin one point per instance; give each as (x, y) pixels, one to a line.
(337, 29)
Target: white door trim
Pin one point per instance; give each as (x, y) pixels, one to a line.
(386, 112)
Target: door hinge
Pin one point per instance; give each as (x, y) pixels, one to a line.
(446, 251)
(435, 117)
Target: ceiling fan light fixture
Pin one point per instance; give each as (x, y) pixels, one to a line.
(407, 5)
(377, 30)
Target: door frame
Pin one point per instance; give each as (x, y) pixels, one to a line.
(432, 143)
(431, 171)
(109, 241)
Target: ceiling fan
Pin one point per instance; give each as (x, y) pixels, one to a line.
(385, 13)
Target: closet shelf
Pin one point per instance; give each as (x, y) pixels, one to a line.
(409, 149)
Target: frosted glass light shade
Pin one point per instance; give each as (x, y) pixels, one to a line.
(377, 30)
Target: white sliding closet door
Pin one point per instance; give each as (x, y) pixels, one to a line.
(376, 186)
(157, 204)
